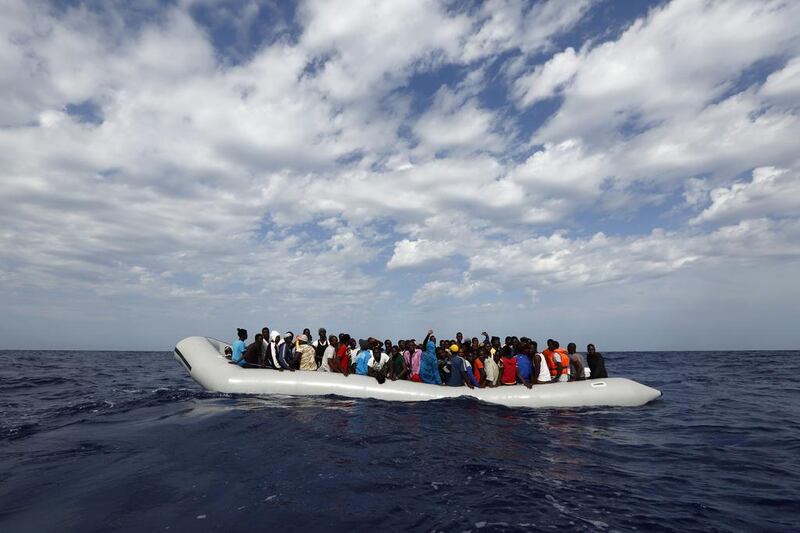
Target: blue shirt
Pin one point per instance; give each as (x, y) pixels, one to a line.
(524, 366)
(455, 378)
(238, 352)
(362, 362)
(429, 366)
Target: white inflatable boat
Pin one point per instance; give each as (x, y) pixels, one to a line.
(204, 359)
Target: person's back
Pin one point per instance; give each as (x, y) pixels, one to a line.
(492, 370)
(524, 367)
(362, 362)
(544, 373)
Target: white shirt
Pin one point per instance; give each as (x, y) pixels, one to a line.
(544, 372)
(329, 352)
(378, 365)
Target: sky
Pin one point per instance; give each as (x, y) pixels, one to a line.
(622, 173)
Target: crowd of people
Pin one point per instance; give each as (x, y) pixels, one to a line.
(456, 362)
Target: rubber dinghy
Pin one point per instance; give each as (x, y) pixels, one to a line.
(204, 359)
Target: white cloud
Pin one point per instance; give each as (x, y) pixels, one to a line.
(548, 79)
(772, 192)
(668, 66)
(287, 178)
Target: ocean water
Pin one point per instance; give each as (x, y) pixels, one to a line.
(126, 441)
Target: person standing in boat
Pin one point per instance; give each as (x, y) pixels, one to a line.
(304, 353)
(239, 347)
(597, 364)
(328, 360)
(429, 364)
(320, 345)
(490, 366)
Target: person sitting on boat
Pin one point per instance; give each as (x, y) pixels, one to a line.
(253, 352)
(524, 366)
(239, 347)
(265, 360)
(283, 353)
(541, 373)
(398, 368)
(304, 353)
(342, 360)
(558, 365)
(352, 344)
(429, 364)
(577, 367)
(275, 341)
(378, 364)
(508, 366)
(597, 365)
(478, 370)
(328, 359)
(416, 360)
(363, 358)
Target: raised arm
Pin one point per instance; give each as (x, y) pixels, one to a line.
(427, 338)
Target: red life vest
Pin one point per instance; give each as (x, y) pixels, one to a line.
(509, 376)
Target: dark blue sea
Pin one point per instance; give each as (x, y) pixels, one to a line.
(126, 441)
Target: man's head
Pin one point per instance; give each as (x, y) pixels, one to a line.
(288, 337)
(571, 348)
(495, 342)
(302, 338)
(590, 348)
(265, 332)
(333, 341)
(307, 333)
(259, 338)
(323, 334)
(550, 344)
(459, 337)
(387, 344)
(241, 333)
(534, 347)
(475, 343)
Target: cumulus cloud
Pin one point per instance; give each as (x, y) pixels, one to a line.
(772, 192)
(375, 148)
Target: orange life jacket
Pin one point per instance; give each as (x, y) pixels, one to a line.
(549, 356)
